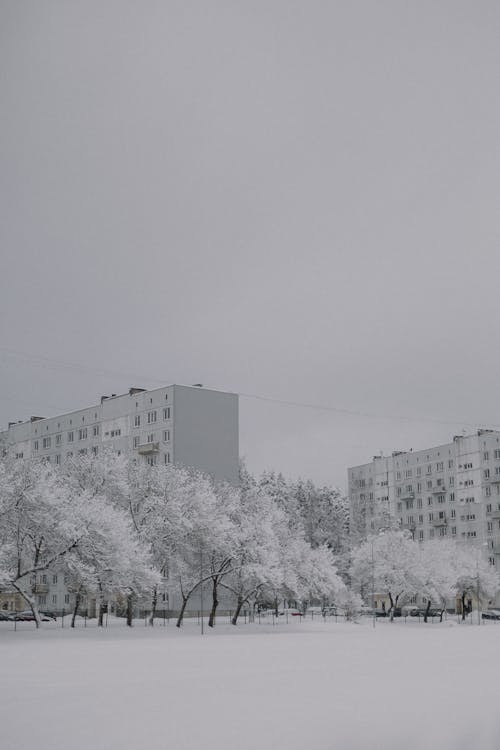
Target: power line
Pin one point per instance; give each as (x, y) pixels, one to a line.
(50, 363)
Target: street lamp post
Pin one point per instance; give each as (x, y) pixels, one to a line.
(373, 586)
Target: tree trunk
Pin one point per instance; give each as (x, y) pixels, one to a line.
(129, 610)
(31, 602)
(215, 603)
(239, 605)
(426, 613)
(78, 598)
(391, 608)
(463, 606)
(153, 606)
(100, 618)
(181, 613)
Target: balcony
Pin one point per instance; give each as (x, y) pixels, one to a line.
(494, 514)
(41, 588)
(147, 448)
(407, 496)
(440, 522)
(438, 490)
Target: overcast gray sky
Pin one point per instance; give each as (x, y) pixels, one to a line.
(294, 199)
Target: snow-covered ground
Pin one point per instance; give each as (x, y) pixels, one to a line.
(308, 685)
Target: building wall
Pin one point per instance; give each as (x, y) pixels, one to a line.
(447, 491)
(188, 425)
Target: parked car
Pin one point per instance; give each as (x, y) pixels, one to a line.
(491, 614)
(50, 615)
(314, 611)
(27, 616)
(6, 616)
(331, 611)
(290, 612)
(420, 612)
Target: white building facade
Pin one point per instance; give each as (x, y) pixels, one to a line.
(189, 426)
(448, 491)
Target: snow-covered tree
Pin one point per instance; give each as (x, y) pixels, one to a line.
(389, 563)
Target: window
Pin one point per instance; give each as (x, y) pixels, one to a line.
(451, 481)
(453, 530)
(35, 445)
(490, 525)
(431, 516)
(421, 518)
(115, 433)
(488, 508)
(421, 536)
(66, 598)
(452, 496)
(95, 450)
(71, 436)
(429, 501)
(450, 463)
(58, 439)
(166, 436)
(468, 465)
(419, 502)
(431, 534)
(468, 483)
(82, 434)
(137, 420)
(429, 469)
(441, 498)
(54, 598)
(58, 459)
(151, 460)
(167, 458)
(440, 466)
(419, 486)
(400, 507)
(497, 454)
(419, 471)
(486, 456)
(429, 484)
(442, 531)
(151, 417)
(453, 513)
(95, 430)
(486, 473)
(487, 491)
(150, 438)
(166, 415)
(408, 473)
(135, 442)
(42, 600)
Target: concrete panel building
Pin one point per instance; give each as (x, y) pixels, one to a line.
(186, 425)
(447, 491)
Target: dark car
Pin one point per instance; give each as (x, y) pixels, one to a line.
(27, 616)
(420, 612)
(6, 616)
(491, 614)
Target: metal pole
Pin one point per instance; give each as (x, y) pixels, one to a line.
(373, 586)
(201, 585)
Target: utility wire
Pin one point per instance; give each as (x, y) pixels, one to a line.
(50, 363)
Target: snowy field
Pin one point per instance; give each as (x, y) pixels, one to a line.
(308, 685)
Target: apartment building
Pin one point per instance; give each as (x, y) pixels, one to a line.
(185, 425)
(448, 491)
(188, 426)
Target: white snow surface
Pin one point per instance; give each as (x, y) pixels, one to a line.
(311, 685)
